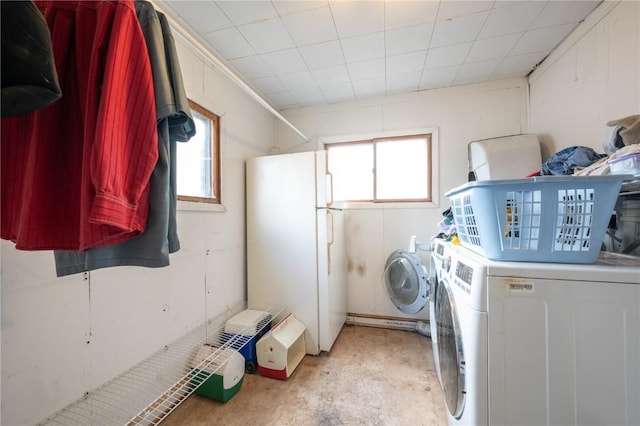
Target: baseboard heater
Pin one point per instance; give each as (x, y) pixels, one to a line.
(380, 321)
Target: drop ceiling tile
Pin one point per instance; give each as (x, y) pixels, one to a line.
(284, 61)
(244, 12)
(563, 12)
(308, 96)
(267, 36)
(406, 13)
(544, 39)
(511, 19)
(456, 9)
(311, 26)
(229, 43)
(201, 16)
(322, 55)
(284, 100)
(471, 80)
(367, 70)
(458, 30)
(518, 65)
(402, 83)
(477, 71)
(285, 48)
(297, 80)
(369, 88)
(251, 67)
(341, 92)
(267, 85)
(491, 48)
(331, 75)
(362, 48)
(438, 77)
(358, 17)
(289, 7)
(447, 56)
(408, 39)
(406, 62)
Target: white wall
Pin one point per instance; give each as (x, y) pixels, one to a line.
(461, 114)
(62, 337)
(593, 77)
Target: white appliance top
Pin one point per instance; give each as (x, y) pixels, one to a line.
(610, 267)
(468, 272)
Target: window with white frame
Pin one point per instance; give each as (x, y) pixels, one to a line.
(382, 170)
(198, 161)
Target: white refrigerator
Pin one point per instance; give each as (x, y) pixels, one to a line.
(295, 243)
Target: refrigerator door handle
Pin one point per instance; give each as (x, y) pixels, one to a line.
(330, 239)
(329, 183)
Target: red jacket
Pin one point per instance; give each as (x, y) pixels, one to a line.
(76, 174)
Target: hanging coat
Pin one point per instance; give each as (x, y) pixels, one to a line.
(175, 123)
(75, 175)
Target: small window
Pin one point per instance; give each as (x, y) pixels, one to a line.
(198, 161)
(393, 169)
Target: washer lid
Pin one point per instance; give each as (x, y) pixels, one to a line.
(405, 278)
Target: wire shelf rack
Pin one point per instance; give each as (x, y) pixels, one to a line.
(148, 392)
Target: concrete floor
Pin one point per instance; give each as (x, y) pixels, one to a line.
(371, 376)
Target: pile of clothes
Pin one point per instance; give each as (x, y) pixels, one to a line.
(623, 138)
(447, 228)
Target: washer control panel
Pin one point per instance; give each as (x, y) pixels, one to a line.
(465, 273)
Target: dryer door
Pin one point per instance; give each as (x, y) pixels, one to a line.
(406, 281)
(450, 350)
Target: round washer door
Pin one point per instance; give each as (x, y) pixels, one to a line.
(406, 281)
(450, 350)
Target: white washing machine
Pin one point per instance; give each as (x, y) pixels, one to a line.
(538, 343)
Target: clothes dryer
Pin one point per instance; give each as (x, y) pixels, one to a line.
(539, 343)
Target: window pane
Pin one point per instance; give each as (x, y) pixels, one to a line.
(194, 161)
(352, 169)
(402, 168)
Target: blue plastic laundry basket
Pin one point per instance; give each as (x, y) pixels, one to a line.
(560, 219)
